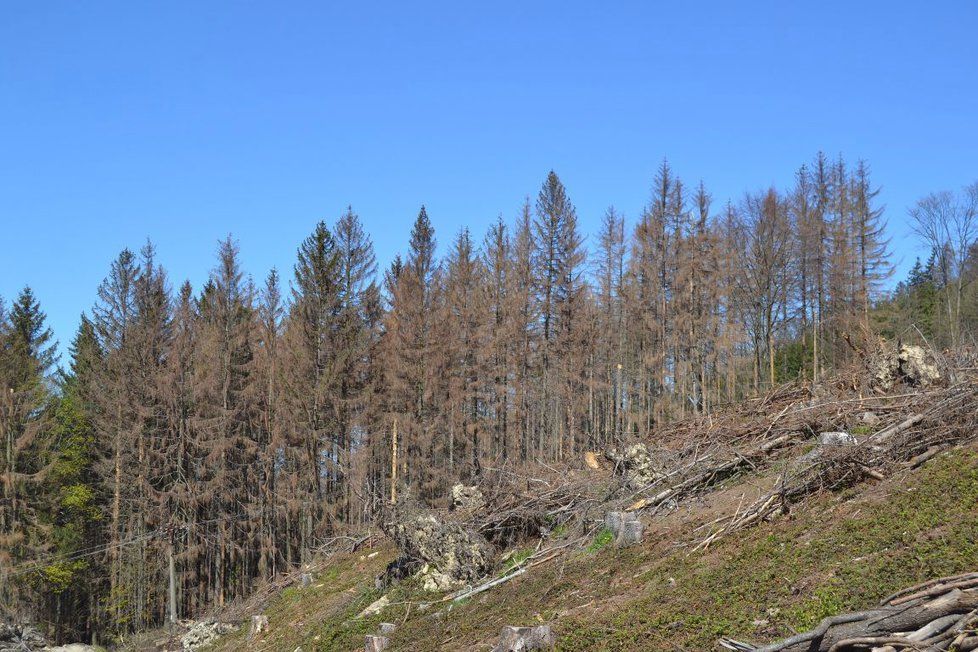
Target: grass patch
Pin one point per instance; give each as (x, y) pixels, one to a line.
(601, 539)
(516, 559)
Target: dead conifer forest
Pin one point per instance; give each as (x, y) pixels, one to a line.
(196, 445)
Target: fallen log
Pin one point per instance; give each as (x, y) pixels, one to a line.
(937, 615)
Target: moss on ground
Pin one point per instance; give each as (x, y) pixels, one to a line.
(840, 552)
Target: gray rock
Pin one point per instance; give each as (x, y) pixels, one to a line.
(908, 364)
(869, 419)
(375, 643)
(613, 521)
(918, 366)
(204, 633)
(454, 554)
(305, 580)
(467, 498)
(517, 639)
(387, 628)
(637, 464)
(375, 607)
(259, 624)
(631, 533)
(836, 439)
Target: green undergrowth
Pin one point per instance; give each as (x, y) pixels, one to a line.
(603, 537)
(840, 552)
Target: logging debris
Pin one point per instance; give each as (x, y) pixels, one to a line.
(941, 614)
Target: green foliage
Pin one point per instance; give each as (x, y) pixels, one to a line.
(61, 575)
(789, 361)
(601, 539)
(516, 559)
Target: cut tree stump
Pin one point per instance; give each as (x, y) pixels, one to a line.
(626, 527)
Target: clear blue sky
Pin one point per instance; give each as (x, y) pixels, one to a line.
(183, 121)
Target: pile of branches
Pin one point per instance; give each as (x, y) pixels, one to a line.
(938, 615)
(946, 417)
(531, 503)
(700, 453)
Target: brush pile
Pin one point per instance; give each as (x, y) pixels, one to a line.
(938, 615)
(919, 427)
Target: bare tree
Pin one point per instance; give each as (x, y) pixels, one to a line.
(948, 223)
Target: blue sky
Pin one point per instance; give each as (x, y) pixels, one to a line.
(184, 121)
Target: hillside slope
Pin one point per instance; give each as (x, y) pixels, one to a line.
(838, 552)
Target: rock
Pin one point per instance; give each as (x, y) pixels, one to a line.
(72, 647)
(918, 366)
(467, 498)
(614, 520)
(637, 464)
(909, 364)
(626, 527)
(836, 439)
(376, 643)
(869, 419)
(259, 624)
(449, 549)
(375, 607)
(435, 581)
(517, 639)
(631, 533)
(387, 628)
(204, 633)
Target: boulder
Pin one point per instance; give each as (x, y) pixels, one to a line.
(387, 628)
(517, 639)
(259, 624)
(72, 647)
(637, 464)
(305, 580)
(375, 643)
(204, 633)
(836, 439)
(907, 363)
(468, 498)
(917, 366)
(454, 555)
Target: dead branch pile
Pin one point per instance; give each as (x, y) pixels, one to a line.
(522, 505)
(697, 454)
(938, 615)
(938, 420)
